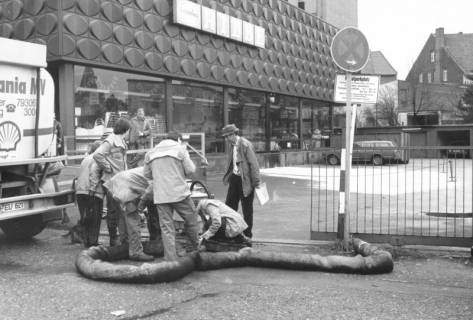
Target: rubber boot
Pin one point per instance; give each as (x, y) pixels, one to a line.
(113, 238)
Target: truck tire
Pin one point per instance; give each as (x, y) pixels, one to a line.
(24, 227)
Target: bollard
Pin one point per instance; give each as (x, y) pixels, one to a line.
(450, 165)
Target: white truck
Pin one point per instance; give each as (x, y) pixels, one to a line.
(29, 194)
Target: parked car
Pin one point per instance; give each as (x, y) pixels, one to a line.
(375, 152)
(458, 153)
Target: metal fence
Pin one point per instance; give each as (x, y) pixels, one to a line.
(76, 147)
(405, 200)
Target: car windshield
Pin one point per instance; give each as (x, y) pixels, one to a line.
(385, 144)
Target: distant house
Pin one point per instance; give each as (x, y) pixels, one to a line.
(438, 78)
(384, 113)
(378, 65)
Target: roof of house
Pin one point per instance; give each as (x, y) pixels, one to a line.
(378, 65)
(460, 48)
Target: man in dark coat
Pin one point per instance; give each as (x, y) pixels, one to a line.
(242, 174)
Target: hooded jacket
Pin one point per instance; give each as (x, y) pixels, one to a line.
(128, 185)
(168, 165)
(216, 210)
(111, 156)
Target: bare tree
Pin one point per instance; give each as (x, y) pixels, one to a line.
(421, 101)
(465, 105)
(387, 107)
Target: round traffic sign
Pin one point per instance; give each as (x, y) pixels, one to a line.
(350, 50)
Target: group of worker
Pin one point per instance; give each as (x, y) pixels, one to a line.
(156, 186)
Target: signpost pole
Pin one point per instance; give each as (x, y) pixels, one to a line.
(343, 233)
(350, 52)
(349, 147)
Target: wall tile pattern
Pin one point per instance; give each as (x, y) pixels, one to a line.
(140, 35)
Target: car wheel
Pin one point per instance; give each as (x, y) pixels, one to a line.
(332, 160)
(377, 160)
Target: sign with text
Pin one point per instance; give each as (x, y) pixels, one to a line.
(209, 20)
(223, 24)
(187, 13)
(197, 16)
(364, 89)
(236, 29)
(259, 37)
(248, 33)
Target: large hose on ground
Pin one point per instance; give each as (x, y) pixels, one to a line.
(93, 263)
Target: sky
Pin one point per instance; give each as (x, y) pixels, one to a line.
(400, 28)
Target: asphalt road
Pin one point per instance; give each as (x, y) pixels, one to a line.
(38, 280)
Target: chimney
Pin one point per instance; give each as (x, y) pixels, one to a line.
(439, 38)
(439, 44)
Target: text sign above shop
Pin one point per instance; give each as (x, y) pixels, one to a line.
(194, 15)
(209, 20)
(364, 89)
(223, 24)
(188, 13)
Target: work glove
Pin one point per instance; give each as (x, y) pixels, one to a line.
(141, 206)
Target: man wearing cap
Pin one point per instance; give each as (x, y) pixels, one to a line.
(242, 174)
(167, 165)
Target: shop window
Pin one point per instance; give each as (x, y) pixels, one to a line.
(102, 96)
(284, 122)
(198, 107)
(247, 112)
(315, 124)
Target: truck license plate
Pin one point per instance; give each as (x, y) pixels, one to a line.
(12, 206)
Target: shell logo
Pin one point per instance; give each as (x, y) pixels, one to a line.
(9, 136)
(11, 107)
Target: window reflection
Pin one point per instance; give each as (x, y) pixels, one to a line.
(315, 124)
(284, 120)
(247, 112)
(198, 107)
(102, 96)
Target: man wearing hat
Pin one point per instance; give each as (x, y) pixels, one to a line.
(242, 174)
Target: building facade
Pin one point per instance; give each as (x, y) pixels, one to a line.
(438, 79)
(340, 13)
(109, 58)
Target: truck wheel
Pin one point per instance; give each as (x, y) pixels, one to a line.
(23, 228)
